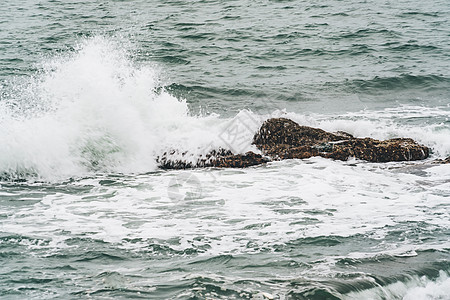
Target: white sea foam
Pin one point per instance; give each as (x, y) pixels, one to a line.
(94, 110)
(270, 205)
(416, 288)
(430, 289)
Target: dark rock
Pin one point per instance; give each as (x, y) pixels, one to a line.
(238, 161)
(221, 158)
(282, 138)
(281, 131)
(442, 161)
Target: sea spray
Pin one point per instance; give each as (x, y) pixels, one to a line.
(294, 229)
(89, 110)
(96, 110)
(94, 103)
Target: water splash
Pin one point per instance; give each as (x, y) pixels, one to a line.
(95, 110)
(89, 110)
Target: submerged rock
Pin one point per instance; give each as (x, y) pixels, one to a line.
(282, 138)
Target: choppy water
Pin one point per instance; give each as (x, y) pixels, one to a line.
(92, 92)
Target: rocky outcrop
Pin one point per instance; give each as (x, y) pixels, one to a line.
(221, 159)
(282, 138)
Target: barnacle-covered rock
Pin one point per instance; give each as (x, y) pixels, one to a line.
(442, 161)
(220, 158)
(281, 138)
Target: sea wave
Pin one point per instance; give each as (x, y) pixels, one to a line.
(92, 110)
(96, 110)
(400, 82)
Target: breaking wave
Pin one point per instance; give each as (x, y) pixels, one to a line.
(96, 110)
(93, 110)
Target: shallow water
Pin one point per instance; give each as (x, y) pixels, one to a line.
(91, 93)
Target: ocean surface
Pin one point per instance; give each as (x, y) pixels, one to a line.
(92, 92)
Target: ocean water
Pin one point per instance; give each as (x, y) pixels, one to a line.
(92, 92)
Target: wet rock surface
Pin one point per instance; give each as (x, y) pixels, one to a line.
(442, 161)
(281, 138)
(216, 158)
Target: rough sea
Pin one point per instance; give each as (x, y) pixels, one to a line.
(92, 92)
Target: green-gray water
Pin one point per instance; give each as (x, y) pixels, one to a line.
(92, 92)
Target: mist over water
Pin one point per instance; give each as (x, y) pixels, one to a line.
(92, 93)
